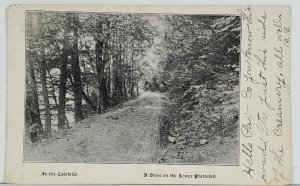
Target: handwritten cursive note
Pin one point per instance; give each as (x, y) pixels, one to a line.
(265, 89)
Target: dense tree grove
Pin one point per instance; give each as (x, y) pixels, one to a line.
(201, 77)
(81, 64)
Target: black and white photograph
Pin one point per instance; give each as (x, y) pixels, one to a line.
(132, 88)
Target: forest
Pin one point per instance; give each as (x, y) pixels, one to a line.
(103, 70)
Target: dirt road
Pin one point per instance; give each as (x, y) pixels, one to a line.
(127, 134)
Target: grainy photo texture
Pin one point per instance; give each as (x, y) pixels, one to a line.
(132, 88)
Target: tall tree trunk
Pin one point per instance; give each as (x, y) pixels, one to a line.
(124, 78)
(42, 69)
(99, 67)
(132, 78)
(111, 75)
(77, 86)
(101, 62)
(34, 127)
(111, 54)
(47, 132)
(33, 118)
(62, 90)
(66, 51)
(120, 74)
(116, 80)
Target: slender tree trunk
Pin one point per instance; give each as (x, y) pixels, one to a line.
(99, 66)
(101, 61)
(77, 86)
(62, 90)
(34, 127)
(111, 76)
(117, 79)
(124, 78)
(47, 132)
(32, 110)
(36, 115)
(132, 78)
(120, 74)
(66, 51)
(111, 54)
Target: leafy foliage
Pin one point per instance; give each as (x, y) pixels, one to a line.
(82, 63)
(201, 75)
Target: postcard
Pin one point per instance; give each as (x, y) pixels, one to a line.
(106, 94)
